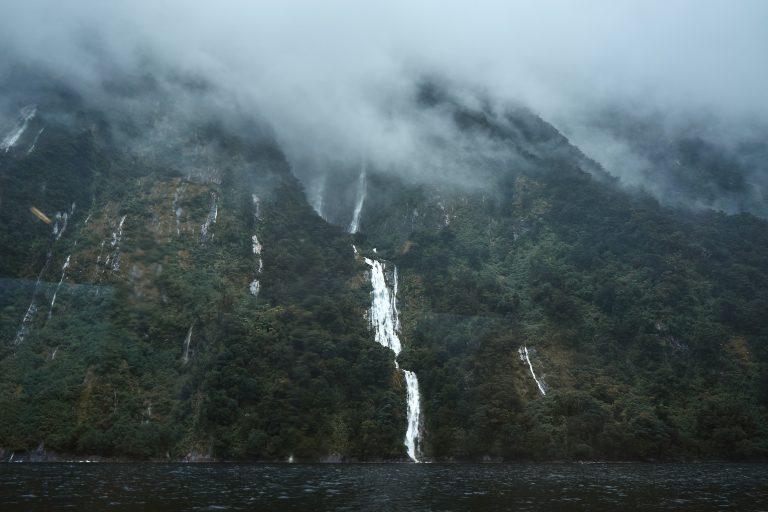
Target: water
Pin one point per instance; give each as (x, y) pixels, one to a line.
(58, 286)
(354, 226)
(213, 214)
(383, 309)
(523, 351)
(12, 138)
(413, 400)
(311, 487)
(385, 322)
(187, 342)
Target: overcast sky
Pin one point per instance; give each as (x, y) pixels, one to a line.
(327, 69)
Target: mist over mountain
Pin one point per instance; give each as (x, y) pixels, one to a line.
(336, 82)
(352, 232)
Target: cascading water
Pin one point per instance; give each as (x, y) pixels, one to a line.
(256, 206)
(12, 138)
(213, 214)
(187, 343)
(412, 433)
(525, 357)
(318, 197)
(63, 274)
(34, 142)
(256, 247)
(354, 226)
(32, 309)
(383, 311)
(117, 236)
(178, 210)
(385, 322)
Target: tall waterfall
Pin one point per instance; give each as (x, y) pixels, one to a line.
(386, 324)
(354, 226)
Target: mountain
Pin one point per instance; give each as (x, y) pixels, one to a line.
(181, 291)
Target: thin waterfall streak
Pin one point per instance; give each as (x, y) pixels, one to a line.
(354, 226)
(63, 275)
(523, 351)
(187, 343)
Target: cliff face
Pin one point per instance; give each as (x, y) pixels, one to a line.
(175, 295)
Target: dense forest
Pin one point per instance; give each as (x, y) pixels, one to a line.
(179, 298)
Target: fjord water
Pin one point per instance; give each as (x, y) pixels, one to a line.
(521, 487)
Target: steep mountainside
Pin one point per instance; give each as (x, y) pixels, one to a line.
(169, 292)
(182, 300)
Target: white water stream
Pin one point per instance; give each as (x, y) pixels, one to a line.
(32, 309)
(210, 220)
(354, 226)
(256, 247)
(34, 142)
(63, 274)
(525, 357)
(187, 343)
(386, 324)
(12, 137)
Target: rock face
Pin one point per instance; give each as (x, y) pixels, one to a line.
(176, 296)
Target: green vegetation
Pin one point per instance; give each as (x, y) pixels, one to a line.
(647, 324)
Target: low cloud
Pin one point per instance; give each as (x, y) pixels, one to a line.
(336, 79)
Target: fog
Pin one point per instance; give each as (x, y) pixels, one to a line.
(335, 79)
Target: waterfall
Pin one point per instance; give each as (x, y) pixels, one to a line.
(178, 210)
(28, 316)
(383, 311)
(64, 217)
(256, 247)
(256, 206)
(32, 309)
(213, 214)
(117, 236)
(412, 434)
(96, 272)
(34, 142)
(355, 224)
(187, 342)
(318, 197)
(12, 138)
(525, 357)
(385, 322)
(63, 274)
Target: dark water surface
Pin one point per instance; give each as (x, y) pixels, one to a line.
(595, 487)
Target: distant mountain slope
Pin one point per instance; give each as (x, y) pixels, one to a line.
(202, 309)
(186, 301)
(643, 323)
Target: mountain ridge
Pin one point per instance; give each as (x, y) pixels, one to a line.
(630, 313)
